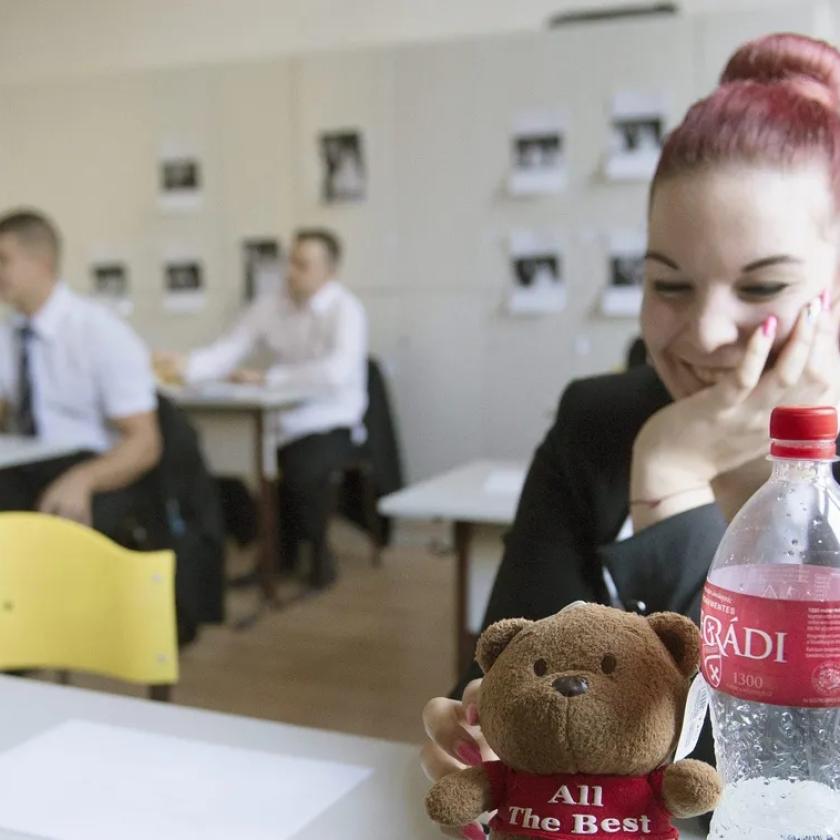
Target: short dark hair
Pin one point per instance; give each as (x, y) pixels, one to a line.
(330, 242)
(35, 231)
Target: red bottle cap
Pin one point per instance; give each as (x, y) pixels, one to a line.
(800, 431)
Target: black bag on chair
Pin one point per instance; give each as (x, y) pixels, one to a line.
(195, 522)
(238, 508)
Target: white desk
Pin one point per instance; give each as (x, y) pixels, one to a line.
(227, 396)
(479, 492)
(388, 804)
(253, 403)
(16, 450)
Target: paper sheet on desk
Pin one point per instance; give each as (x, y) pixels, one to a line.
(505, 481)
(89, 781)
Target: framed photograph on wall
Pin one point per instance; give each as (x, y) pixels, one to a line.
(538, 154)
(538, 284)
(622, 296)
(637, 130)
(110, 286)
(179, 182)
(262, 267)
(183, 283)
(344, 177)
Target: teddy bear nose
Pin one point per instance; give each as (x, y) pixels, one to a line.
(571, 686)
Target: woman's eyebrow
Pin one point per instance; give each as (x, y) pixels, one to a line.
(655, 255)
(778, 259)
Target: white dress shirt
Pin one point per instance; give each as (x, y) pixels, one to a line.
(321, 344)
(86, 367)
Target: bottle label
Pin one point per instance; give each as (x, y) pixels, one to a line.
(771, 634)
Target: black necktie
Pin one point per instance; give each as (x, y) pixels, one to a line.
(25, 413)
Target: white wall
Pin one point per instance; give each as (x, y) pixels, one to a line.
(426, 251)
(58, 38)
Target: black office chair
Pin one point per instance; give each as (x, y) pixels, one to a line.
(375, 469)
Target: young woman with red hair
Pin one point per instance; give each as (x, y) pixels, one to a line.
(628, 495)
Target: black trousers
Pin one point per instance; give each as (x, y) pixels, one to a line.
(305, 466)
(119, 514)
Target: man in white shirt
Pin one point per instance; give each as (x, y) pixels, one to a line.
(73, 374)
(316, 333)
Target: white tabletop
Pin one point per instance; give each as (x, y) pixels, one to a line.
(229, 396)
(389, 803)
(481, 491)
(15, 450)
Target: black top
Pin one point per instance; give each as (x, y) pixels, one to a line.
(575, 501)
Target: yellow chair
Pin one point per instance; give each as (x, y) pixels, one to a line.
(72, 599)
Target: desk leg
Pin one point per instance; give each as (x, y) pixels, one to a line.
(267, 511)
(464, 640)
(268, 517)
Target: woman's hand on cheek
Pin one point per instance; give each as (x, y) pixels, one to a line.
(686, 446)
(815, 384)
(807, 369)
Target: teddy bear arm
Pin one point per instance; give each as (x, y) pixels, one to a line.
(690, 788)
(460, 797)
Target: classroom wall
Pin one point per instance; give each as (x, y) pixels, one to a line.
(42, 39)
(427, 250)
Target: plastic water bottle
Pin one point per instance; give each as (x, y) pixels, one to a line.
(771, 643)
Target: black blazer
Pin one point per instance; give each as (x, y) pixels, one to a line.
(575, 501)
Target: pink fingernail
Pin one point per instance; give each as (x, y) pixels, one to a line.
(472, 714)
(771, 322)
(825, 298)
(472, 832)
(468, 753)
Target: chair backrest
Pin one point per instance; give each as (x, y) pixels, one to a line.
(383, 440)
(70, 598)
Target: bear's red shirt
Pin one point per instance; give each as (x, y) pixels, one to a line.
(571, 806)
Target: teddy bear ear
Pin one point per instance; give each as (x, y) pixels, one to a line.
(496, 638)
(681, 637)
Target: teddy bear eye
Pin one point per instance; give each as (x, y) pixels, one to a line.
(608, 663)
(540, 667)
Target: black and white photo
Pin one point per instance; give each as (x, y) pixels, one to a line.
(343, 166)
(638, 135)
(183, 285)
(180, 182)
(262, 261)
(180, 175)
(110, 286)
(625, 260)
(537, 152)
(537, 271)
(536, 268)
(538, 163)
(626, 270)
(637, 130)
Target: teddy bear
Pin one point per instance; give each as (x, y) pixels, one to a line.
(584, 710)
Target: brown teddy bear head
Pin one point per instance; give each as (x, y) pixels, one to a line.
(590, 690)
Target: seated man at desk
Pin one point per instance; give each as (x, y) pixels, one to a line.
(316, 333)
(75, 376)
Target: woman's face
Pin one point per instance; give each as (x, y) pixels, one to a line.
(727, 248)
